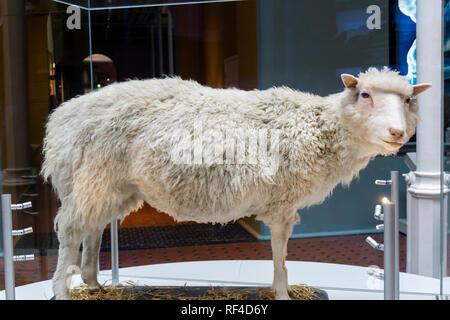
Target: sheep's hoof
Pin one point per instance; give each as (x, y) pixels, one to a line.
(96, 289)
(63, 297)
(282, 297)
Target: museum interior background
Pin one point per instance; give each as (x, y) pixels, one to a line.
(247, 44)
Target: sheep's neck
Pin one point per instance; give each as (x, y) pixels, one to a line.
(353, 152)
(329, 148)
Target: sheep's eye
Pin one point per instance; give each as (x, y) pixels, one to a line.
(408, 100)
(365, 95)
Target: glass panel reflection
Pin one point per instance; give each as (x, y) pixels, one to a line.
(127, 4)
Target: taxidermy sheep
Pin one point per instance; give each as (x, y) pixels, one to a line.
(214, 155)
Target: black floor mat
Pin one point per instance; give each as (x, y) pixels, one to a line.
(156, 292)
(179, 293)
(150, 237)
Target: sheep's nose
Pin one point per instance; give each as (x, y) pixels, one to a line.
(396, 133)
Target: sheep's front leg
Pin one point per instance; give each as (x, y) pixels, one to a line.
(280, 235)
(89, 265)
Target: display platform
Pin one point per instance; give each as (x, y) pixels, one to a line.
(341, 282)
(127, 292)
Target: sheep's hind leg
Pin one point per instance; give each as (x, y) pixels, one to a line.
(89, 264)
(69, 245)
(280, 233)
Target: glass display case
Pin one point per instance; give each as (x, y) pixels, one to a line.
(55, 50)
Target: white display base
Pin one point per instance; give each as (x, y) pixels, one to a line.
(342, 282)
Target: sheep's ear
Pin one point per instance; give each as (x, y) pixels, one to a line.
(349, 80)
(419, 88)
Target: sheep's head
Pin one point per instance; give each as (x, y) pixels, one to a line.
(382, 108)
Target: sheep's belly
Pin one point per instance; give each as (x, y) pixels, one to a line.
(317, 194)
(209, 215)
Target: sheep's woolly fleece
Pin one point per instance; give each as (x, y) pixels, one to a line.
(109, 150)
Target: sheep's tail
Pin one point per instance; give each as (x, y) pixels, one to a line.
(48, 165)
(57, 151)
(47, 171)
(57, 165)
(46, 168)
(51, 161)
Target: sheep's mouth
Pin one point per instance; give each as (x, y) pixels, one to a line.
(393, 144)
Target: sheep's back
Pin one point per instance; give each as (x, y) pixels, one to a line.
(107, 130)
(126, 132)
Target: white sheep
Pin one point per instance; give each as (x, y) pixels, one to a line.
(189, 150)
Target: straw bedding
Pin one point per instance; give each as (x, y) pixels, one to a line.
(129, 291)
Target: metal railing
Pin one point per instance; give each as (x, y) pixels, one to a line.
(8, 249)
(388, 212)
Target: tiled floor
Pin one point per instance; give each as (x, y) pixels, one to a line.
(345, 250)
(350, 250)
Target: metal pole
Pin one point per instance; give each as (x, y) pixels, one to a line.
(160, 44)
(169, 41)
(91, 66)
(8, 255)
(429, 70)
(389, 250)
(152, 39)
(394, 199)
(114, 252)
(424, 184)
